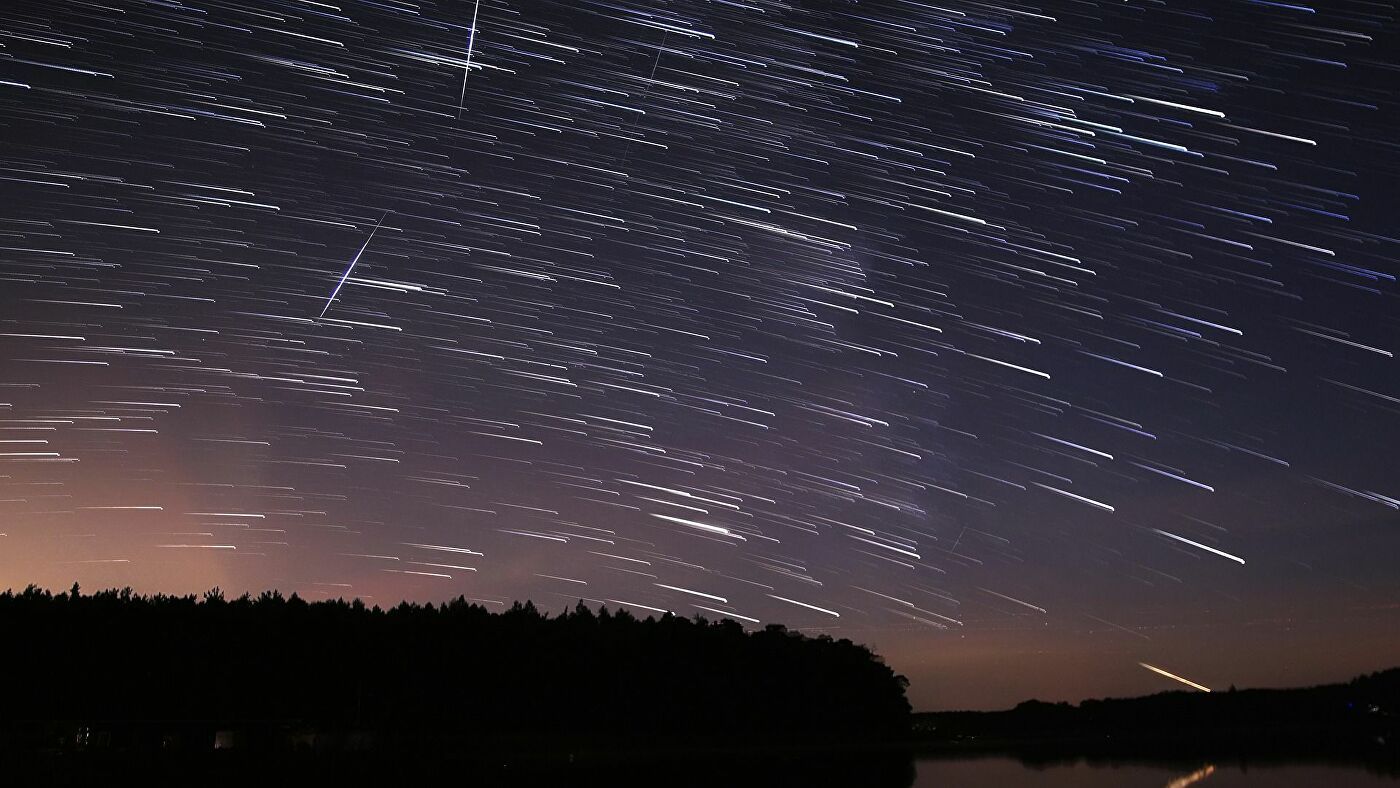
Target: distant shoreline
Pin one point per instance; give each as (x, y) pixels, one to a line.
(1355, 721)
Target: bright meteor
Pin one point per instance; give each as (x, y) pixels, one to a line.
(1174, 677)
(349, 269)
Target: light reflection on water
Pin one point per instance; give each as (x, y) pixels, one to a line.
(1009, 772)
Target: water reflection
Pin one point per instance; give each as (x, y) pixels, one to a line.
(1193, 777)
(1001, 772)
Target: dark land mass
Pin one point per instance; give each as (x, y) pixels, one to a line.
(228, 689)
(215, 691)
(1353, 722)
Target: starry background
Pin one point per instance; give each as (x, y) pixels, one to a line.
(1026, 342)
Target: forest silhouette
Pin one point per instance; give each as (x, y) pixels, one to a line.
(116, 668)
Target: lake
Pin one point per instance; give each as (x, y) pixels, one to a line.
(1004, 772)
(682, 770)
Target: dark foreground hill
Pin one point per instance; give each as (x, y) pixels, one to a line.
(126, 673)
(1356, 720)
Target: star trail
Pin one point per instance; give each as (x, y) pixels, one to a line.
(956, 328)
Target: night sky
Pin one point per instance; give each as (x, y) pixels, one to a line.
(1025, 342)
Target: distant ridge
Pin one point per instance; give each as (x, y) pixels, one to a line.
(1356, 719)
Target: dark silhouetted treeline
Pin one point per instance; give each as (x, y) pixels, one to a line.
(1357, 719)
(121, 671)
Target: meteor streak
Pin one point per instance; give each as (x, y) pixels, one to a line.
(351, 267)
(1175, 677)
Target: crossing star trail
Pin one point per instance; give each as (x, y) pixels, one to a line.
(467, 67)
(960, 329)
